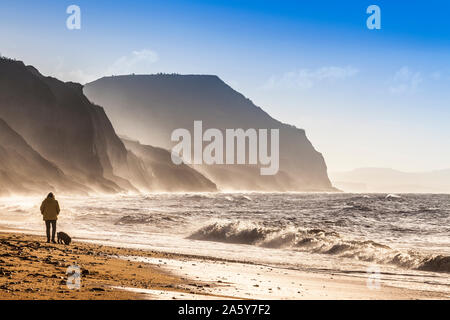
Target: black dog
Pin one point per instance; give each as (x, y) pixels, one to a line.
(64, 238)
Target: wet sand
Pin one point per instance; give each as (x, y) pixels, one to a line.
(255, 281)
(32, 269)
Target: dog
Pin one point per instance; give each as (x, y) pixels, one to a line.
(64, 238)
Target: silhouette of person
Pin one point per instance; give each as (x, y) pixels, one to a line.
(50, 211)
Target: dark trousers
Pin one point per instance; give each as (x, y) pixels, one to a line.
(49, 223)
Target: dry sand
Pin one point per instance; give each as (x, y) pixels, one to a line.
(32, 269)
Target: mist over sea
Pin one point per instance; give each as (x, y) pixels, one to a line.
(407, 236)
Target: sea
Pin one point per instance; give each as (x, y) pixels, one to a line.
(405, 238)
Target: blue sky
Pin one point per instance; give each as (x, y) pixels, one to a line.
(374, 98)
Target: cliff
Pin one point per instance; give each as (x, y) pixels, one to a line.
(166, 175)
(66, 130)
(24, 171)
(150, 107)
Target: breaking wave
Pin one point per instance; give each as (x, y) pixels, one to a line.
(393, 196)
(319, 241)
(144, 219)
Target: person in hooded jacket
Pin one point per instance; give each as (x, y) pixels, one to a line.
(50, 211)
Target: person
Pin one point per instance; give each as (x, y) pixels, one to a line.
(50, 211)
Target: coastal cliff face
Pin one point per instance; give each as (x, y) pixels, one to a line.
(61, 125)
(66, 134)
(166, 175)
(24, 171)
(150, 107)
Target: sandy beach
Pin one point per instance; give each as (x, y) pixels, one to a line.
(32, 269)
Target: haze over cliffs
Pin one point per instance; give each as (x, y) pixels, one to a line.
(166, 175)
(52, 138)
(150, 107)
(24, 171)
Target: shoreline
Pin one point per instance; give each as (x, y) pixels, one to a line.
(32, 269)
